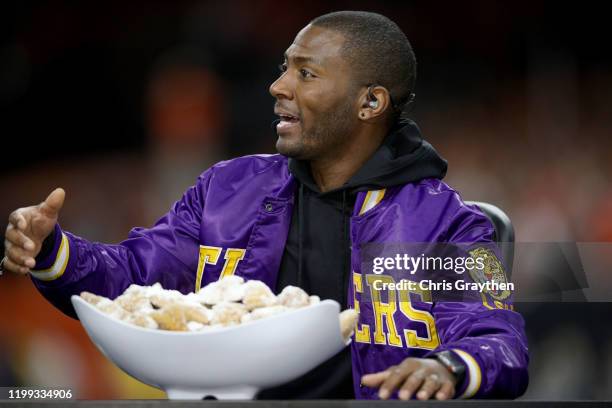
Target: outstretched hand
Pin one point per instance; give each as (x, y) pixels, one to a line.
(27, 229)
(424, 376)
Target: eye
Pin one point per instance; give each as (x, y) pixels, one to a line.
(306, 74)
(282, 67)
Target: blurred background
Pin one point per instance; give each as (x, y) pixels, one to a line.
(124, 104)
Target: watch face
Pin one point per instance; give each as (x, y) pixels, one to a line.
(453, 364)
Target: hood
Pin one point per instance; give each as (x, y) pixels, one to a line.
(403, 157)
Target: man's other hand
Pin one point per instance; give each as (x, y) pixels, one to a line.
(424, 376)
(27, 229)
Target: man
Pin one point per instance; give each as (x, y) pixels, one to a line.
(349, 172)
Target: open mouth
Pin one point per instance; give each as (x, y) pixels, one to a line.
(288, 118)
(288, 121)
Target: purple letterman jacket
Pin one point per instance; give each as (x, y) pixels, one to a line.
(235, 219)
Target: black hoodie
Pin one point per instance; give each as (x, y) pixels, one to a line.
(317, 253)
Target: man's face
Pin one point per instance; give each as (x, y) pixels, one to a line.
(315, 97)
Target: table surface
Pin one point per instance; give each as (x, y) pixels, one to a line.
(299, 404)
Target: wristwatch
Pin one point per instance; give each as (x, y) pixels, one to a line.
(452, 362)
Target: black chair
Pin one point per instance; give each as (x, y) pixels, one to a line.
(504, 231)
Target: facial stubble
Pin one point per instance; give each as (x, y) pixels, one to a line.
(329, 133)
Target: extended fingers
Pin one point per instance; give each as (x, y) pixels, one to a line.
(390, 379)
(17, 219)
(446, 391)
(395, 378)
(425, 377)
(398, 375)
(18, 238)
(427, 386)
(374, 380)
(411, 384)
(431, 384)
(11, 266)
(18, 248)
(19, 256)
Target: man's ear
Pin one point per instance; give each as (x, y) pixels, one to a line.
(375, 101)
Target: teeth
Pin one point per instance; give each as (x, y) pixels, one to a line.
(288, 118)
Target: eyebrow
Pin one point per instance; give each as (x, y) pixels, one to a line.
(302, 59)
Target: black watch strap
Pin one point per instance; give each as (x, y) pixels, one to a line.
(453, 363)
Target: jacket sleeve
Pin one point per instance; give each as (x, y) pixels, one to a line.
(166, 253)
(487, 335)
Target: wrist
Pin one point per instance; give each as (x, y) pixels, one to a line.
(53, 266)
(453, 363)
(47, 247)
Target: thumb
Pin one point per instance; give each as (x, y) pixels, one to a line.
(53, 203)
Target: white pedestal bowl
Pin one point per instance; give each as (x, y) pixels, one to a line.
(228, 363)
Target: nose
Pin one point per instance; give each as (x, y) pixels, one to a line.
(281, 89)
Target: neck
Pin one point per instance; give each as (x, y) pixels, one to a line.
(336, 168)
